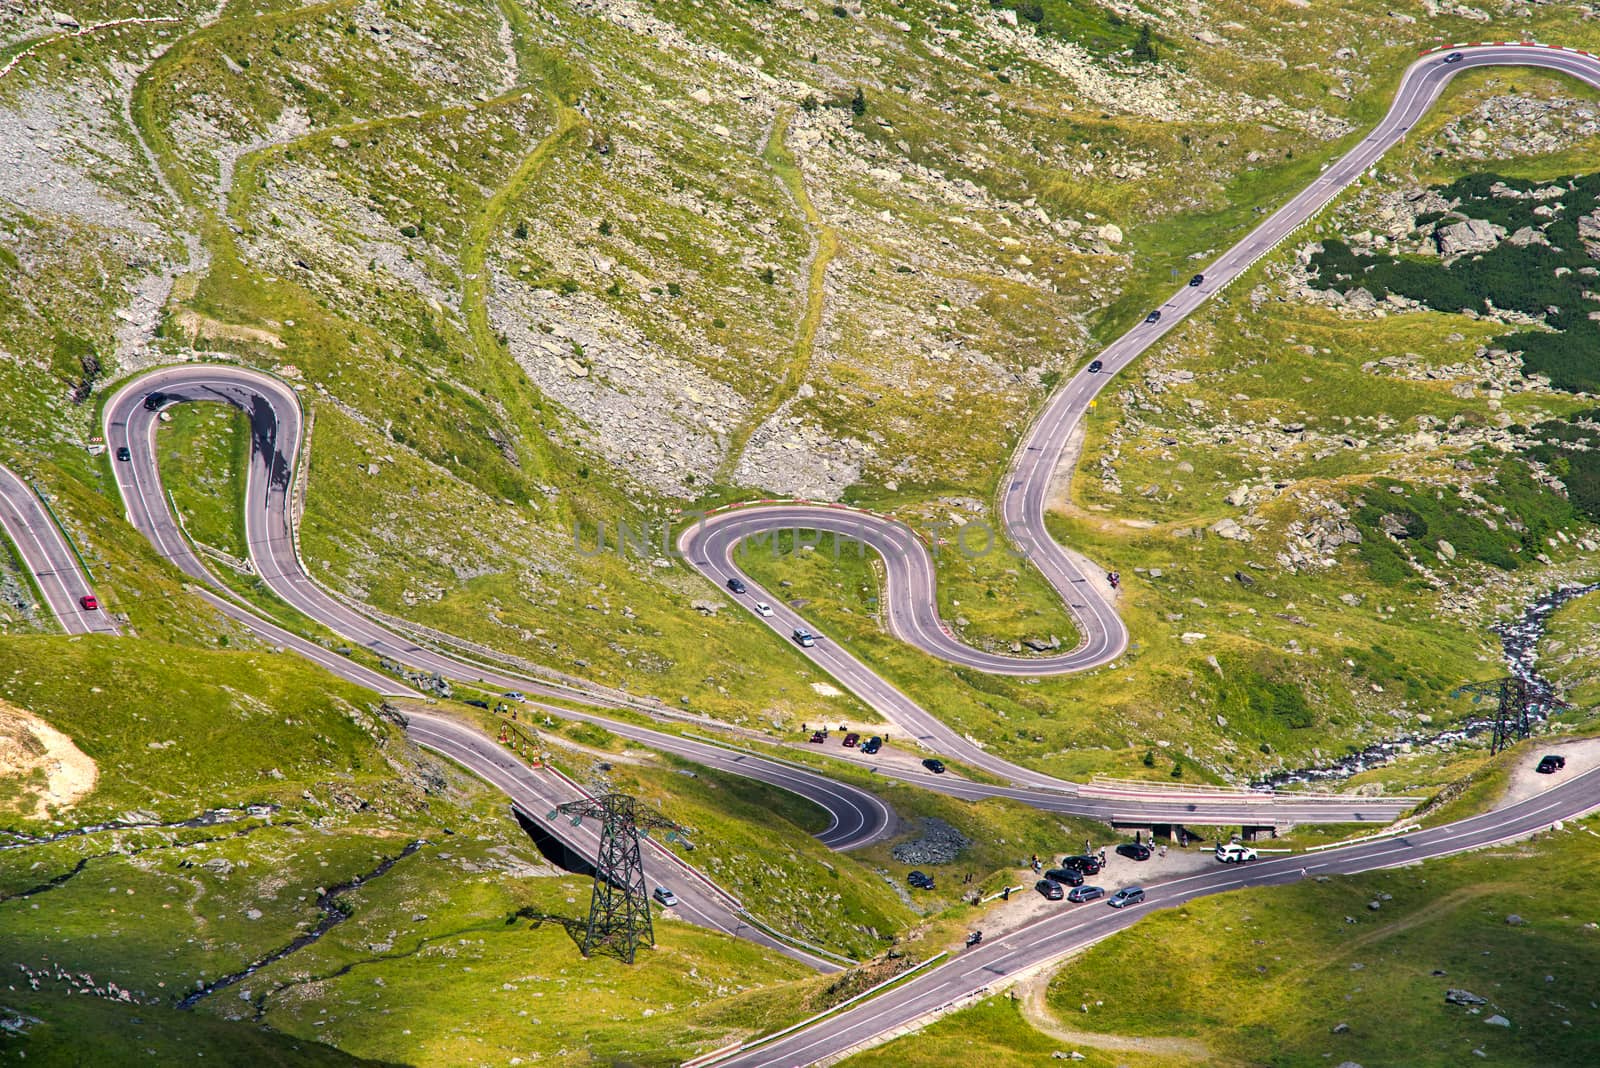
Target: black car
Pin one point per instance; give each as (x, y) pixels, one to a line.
(1085, 893)
(1551, 764)
(920, 880)
(1065, 876)
(736, 585)
(123, 454)
(152, 401)
(1130, 895)
(1094, 367)
(1133, 851)
(1197, 279)
(1084, 863)
(1153, 317)
(872, 745)
(1454, 57)
(1050, 889)
(934, 765)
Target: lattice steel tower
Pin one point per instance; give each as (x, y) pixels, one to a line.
(619, 911)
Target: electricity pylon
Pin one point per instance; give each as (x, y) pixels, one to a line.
(619, 911)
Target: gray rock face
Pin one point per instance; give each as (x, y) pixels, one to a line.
(1498, 1021)
(1469, 235)
(1463, 997)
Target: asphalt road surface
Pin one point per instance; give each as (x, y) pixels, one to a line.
(44, 551)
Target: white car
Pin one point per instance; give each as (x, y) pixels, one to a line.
(763, 608)
(1234, 853)
(666, 897)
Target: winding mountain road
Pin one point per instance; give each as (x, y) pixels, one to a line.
(44, 551)
(858, 817)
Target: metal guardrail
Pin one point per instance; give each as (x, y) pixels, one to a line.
(708, 1059)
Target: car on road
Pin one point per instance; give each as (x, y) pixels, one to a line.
(872, 745)
(1065, 876)
(1153, 317)
(804, 637)
(763, 608)
(123, 453)
(1082, 862)
(152, 401)
(818, 737)
(1454, 57)
(1234, 853)
(515, 695)
(1134, 851)
(736, 585)
(1050, 889)
(1197, 279)
(88, 602)
(665, 896)
(851, 739)
(1086, 893)
(920, 880)
(1094, 366)
(1551, 764)
(1128, 895)
(934, 765)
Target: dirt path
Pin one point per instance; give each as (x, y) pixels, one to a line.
(825, 245)
(1031, 1000)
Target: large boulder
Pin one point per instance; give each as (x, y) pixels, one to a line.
(1468, 235)
(1589, 233)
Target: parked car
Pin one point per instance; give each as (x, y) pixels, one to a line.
(1050, 889)
(123, 454)
(920, 880)
(88, 602)
(1086, 893)
(934, 765)
(152, 401)
(1551, 764)
(1134, 851)
(1454, 57)
(1065, 876)
(818, 737)
(1128, 895)
(1153, 317)
(1084, 863)
(515, 695)
(872, 745)
(736, 585)
(851, 739)
(665, 896)
(1094, 366)
(763, 608)
(1234, 853)
(804, 637)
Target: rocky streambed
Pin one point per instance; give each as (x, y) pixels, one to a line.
(1519, 641)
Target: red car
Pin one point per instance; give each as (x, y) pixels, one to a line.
(851, 739)
(88, 602)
